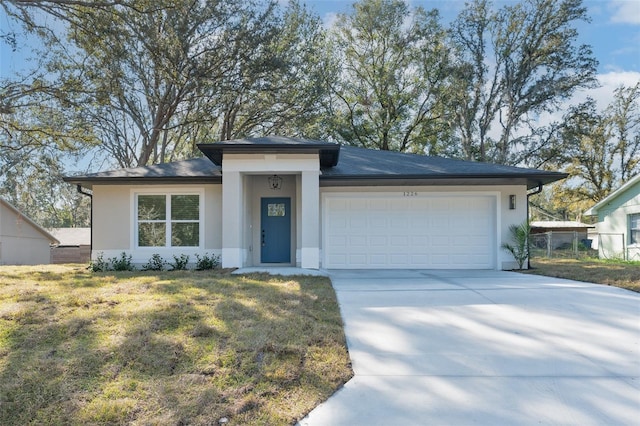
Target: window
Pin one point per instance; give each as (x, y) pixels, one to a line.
(168, 220)
(634, 228)
(275, 209)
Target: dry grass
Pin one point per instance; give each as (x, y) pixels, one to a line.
(165, 348)
(615, 273)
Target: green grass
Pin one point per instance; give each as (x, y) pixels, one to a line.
(165, 348)
(618, 273)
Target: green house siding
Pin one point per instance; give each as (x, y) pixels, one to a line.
(614, 224)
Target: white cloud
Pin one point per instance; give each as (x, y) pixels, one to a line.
(329, 19)
(625, 11)
(603, 95)
(609, 82)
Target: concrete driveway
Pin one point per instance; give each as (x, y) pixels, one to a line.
(485, 347)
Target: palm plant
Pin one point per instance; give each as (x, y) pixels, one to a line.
(520, 247)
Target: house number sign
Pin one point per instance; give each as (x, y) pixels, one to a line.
(410, 194)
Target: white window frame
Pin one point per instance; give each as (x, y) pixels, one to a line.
(633, 216)
(167, 192)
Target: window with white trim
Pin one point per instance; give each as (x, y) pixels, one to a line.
(634, 228)
(168, 220)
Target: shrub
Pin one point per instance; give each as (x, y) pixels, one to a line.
(99, 265)
(520, 248)
(122, 263)
(179, 263)
(156, 263)
(207, 262)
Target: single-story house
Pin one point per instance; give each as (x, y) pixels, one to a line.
(562, 233)
(618, 223)
(313, 204)
(74, 245)
(22, 241)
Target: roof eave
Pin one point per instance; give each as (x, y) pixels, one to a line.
(450, 180)
(329, 153)
(89, 181)
(593, 211)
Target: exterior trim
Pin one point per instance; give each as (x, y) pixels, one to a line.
(166, 251)
(594, 210)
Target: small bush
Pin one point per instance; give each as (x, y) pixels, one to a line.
(99, 265)
(156, 263)
(179, 263)
(122, 263)
(207, 262)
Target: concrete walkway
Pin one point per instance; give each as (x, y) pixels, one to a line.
(485, 348)
(280, 270)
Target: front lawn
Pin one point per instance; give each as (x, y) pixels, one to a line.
(609, 272)
(165, 348)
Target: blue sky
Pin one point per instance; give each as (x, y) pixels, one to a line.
(614, 34)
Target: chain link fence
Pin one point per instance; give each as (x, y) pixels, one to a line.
(571, 244)
(561, 244)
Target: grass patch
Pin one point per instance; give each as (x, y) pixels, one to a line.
(623, 274)
(181, 347)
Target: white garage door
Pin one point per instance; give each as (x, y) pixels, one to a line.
(416, 231)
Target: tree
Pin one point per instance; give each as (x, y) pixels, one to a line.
(623, 118)
(36, 136)
(392, 76)
(155, 78)
(600, 151)
(277, 86)
(150, 70)
(513, 65)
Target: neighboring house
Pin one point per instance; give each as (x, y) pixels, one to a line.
(618, 224)
(74, 246)
(22, 241)
(314, 204)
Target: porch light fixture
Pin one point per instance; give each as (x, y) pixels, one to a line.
(512, 202)
(275, 182)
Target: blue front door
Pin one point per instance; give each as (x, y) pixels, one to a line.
(275, 232)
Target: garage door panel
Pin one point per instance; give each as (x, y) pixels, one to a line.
(422, 232)
(378, 241)
(399, 260)
(378, 223)
(357, 240)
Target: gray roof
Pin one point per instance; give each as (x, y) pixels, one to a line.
(196, 170)
(72, 236)
(342, 165)
(362, 165)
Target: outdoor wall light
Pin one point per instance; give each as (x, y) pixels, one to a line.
(512, 202)
(275, 182)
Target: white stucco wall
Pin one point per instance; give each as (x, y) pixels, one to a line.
(20, 242)
(114, 217)
(245, 183)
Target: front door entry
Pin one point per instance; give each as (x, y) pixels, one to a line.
(275, 230)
